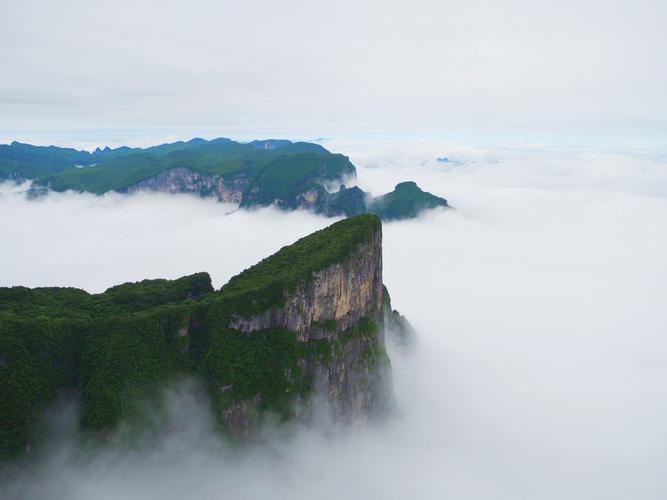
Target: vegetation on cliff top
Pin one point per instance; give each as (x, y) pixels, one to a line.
(406, 201)
(261, 286)
(117, 347)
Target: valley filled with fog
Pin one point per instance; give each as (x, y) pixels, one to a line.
(540, 365)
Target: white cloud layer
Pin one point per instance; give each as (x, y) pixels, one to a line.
(541, 363)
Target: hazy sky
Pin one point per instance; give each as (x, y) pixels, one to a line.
(95, 72)
(541, 360)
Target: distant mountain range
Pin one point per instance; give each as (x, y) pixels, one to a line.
(290, 175)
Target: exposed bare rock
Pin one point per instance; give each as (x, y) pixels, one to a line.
(183, 180)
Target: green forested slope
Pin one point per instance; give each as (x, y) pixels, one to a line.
(118, 348)
(261, 173)
(287, 177)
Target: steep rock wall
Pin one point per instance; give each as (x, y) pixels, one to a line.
(334, 300)
(338, 316)
(355, 382)
(183, 180)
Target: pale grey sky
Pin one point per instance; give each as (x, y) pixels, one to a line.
(119, 71)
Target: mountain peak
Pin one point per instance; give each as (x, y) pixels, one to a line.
(406, 201)
(308, 318)
(295, 265)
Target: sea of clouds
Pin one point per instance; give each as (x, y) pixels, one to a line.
(540, 304)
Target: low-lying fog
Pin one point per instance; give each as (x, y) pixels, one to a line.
(541, 307)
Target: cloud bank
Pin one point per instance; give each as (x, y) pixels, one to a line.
(541, 361)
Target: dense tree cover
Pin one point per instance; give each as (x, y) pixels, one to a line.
(406, 201)
(117, 347)
(396, 325)
(225, 158)
(150, 293)
(265, 363)
(115, 169)
(288, 147)
(24, 161)
(54, 338)
(123, 357)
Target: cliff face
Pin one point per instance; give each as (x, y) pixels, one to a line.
(355, 382)
(183, 180)
(305, 325)
(332, 301)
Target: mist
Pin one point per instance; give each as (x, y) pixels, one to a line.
(541, 361)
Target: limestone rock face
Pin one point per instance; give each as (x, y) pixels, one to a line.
(342, 293)
(183, 180)
(342, 305)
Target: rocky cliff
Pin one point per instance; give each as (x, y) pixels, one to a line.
(183, 180)
(304, 325)
(288, 175)
(332, 300)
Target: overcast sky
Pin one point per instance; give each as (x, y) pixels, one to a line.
(83, 72)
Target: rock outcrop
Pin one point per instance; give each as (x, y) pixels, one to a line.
(183, 180)
(288, 175)
(305, 325)
(333, 300)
